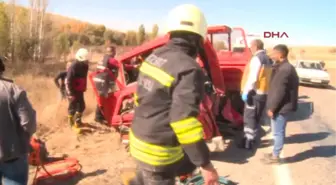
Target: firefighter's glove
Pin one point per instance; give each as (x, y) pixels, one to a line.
(244, 97)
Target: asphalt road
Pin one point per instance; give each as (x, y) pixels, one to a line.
(309, 153)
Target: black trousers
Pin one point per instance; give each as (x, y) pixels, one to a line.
(77, 105)
(152, 177)
(144, 177)
(253, 112)
(99, 115)
(63, 93)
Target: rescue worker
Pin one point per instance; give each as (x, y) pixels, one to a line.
(76, 83)
(166, 138)
(17, 125)
(109, 61)
(103, 82)
(254, 85)
(61, 86)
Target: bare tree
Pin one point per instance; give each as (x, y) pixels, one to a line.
(32, 15)
(42, 10)
(12, 28)
(36, 25)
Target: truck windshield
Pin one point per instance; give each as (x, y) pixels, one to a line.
(220, 41)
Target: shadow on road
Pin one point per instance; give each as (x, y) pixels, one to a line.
(72, 181)
(329, 87)
(316, 151)
(233, 154)
(303, 97)
(298, 138)
(304, 110)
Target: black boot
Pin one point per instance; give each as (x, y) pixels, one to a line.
(246, 143)
(78, 119)
(249, 144)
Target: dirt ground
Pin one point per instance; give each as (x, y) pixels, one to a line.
(100, 153)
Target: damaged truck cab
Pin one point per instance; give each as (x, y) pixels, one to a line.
(118, 106)
(233, 54)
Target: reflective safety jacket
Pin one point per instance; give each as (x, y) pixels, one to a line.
(168, 96)
(257, 74)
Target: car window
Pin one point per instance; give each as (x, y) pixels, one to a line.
(310, 65)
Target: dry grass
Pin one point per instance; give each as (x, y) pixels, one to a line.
(326, 54)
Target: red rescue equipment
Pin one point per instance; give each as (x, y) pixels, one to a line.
(60, 169)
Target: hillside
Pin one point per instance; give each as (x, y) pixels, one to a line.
(32, 34)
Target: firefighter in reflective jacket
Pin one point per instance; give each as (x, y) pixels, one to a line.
(103, 82)
(75, 83)
(166, 138)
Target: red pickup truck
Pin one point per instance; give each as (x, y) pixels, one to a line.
(223, 69)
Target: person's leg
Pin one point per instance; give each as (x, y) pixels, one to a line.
(158, 178)
(278, 125)
(279, 132)
(80, 109)
(73, 107)
(260, 101)
(250, 124)
(63, 93)
(15, 172)
(260, 107)
(71, 111)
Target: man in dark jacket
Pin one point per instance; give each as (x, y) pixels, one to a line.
(282, 98)
(75, 84)
(166, 135)
(17, 125)
(103, 82)
(61, 86)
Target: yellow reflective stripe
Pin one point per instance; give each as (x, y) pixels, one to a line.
(188, 131)
(157, 74)
(136, 99)
(154, 149)
(154, 154)
(154, 160)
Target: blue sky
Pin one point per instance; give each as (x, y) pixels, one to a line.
(307, 22)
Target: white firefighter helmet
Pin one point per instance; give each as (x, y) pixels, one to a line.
(82, 55)
(187, 17)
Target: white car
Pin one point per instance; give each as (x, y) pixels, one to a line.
(312, 72)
